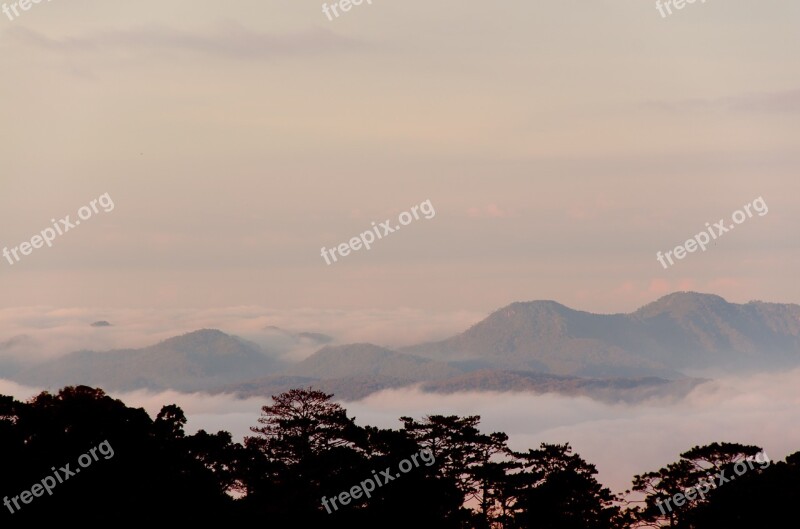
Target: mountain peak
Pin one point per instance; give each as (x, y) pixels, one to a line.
(195, 360)
(528, 310)
(547, 304)
(689, 295)
(204, 334)
(680, 303)
(681, 330)
(203, 340)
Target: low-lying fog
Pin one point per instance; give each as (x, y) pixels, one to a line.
(622, 440)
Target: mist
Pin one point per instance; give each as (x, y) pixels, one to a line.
(620, 439)
(33, 334)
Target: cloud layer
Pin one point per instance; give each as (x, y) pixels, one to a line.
(622, 440)
(31, 334)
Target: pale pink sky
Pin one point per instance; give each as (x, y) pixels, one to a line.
(562, 145)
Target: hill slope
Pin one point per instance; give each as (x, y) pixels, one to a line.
(194, 361)
(369, 360)
(680, 331)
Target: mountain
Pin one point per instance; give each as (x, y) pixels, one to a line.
(681, 331)
(350, 372)
(365, 359)
(12, 351)
(537, 346)
(292, 344)
(548, 337)
(631, 390)
(195, 361)
(704, 330)
(354, 371)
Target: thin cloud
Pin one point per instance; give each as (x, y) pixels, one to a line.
(491, 211)
(228, 39)
(33, 334)
(784, 102)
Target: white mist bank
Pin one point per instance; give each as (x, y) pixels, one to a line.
(621, 440)
(34, 334)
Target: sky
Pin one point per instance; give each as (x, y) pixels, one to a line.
(560, 144)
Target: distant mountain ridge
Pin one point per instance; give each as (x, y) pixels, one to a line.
(684, 330)
(191, 362)
(364, 359)
(537, 346)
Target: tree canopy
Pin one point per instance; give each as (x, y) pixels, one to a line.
(309, 464)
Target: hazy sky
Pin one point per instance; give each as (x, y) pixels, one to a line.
(562, 144)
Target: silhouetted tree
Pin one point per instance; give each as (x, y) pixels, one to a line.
(143, 473)
(170, 422)
(558, 490)
(767, 496)
(461, 451)
(307, 441)
(306, 447)
(697, 467)
(301, 423)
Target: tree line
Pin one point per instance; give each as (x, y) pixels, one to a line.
(305, 449)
